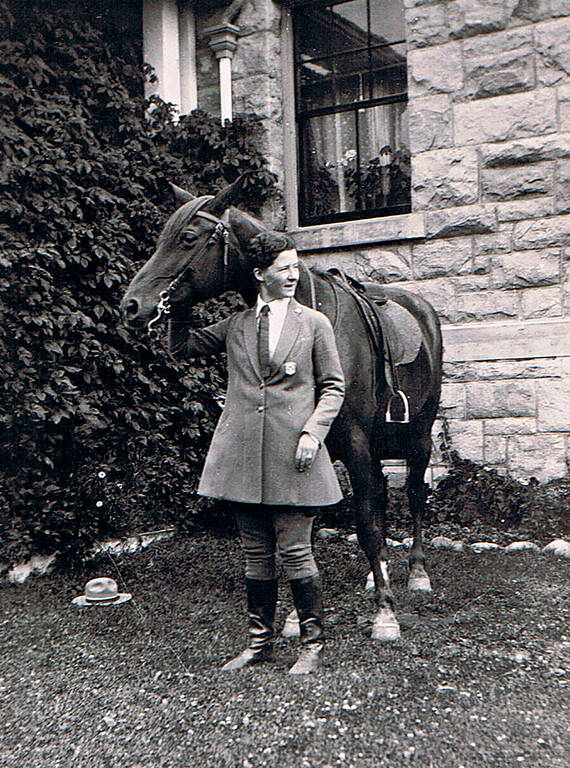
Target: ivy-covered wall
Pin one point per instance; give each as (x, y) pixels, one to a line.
(100, 433)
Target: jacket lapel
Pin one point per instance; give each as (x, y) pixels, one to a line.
(289, 333)
(250, 337)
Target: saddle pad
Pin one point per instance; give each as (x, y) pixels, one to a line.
(402, 332)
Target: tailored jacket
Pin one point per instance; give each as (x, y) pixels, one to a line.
(252, 454)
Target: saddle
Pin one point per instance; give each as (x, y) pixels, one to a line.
(394, 332)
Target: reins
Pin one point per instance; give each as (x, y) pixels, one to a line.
(164, 306)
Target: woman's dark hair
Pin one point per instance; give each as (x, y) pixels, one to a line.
(263, 248)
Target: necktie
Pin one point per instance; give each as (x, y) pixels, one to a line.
(263, 342)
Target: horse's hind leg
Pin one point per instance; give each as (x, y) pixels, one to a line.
(418, 579)
(370, 500)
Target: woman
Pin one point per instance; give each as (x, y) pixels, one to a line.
(267, 456)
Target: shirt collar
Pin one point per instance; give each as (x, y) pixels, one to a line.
(274, 306)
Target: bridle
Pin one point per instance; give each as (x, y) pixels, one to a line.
(222, 232)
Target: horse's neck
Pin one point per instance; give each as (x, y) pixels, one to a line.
(312, 285)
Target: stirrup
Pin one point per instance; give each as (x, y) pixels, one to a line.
(406, 418)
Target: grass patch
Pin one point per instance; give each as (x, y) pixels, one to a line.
(479, 677)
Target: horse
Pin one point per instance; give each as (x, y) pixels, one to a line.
(201, 253)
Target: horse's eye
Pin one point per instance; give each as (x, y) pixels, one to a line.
(189, 238)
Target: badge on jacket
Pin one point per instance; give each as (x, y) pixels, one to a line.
(290, 367)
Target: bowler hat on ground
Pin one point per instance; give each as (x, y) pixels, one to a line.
(102, 591)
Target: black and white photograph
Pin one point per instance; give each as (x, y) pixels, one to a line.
(284, 383)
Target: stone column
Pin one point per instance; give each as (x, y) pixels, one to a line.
(161, 48)
(188, 78)
(223, 42)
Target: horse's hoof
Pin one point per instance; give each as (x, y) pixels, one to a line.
(291, 627)
(385, 627)
(419, 584)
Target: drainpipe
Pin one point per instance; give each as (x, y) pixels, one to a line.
(223, 42)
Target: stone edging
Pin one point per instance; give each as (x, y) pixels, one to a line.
(42, 564)
(559, 547)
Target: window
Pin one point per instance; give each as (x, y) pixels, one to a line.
(351, 100)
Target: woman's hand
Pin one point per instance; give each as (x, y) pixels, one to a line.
(307, 448)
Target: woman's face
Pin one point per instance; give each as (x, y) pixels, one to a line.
(279, 280)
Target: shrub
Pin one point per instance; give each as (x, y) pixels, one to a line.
(471, 493)
(100, 433)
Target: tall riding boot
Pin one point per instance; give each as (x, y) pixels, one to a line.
(307, 596)
(261, 603)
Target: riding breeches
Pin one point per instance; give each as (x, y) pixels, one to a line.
(266, 530)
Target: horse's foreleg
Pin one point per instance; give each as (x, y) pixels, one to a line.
(370, 500)
(418, 579)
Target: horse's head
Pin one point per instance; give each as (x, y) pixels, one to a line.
(198, 255)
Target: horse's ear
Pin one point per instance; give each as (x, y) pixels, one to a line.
(243, 225)
(181, 194)
(227, 196)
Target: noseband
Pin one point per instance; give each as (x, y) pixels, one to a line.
(221, 230)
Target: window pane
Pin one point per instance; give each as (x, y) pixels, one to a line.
(332, 81)
(383, 177)
(329, 148)
(323, 30)
(348, 26)
(356, 161)
(386, 80)
(387, 20)
(360, 68)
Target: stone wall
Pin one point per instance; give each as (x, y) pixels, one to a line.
(489, 85)
(489, 117)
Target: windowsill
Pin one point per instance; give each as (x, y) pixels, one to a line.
(407, 226)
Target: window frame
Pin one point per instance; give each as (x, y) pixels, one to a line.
(296, 120)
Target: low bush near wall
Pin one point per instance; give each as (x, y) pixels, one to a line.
(469, 498)
(99, 433)
(470, 492)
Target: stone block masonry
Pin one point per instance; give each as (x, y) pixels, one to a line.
(490, 136)
(489, 122)
(488, 239)
(510, 413)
